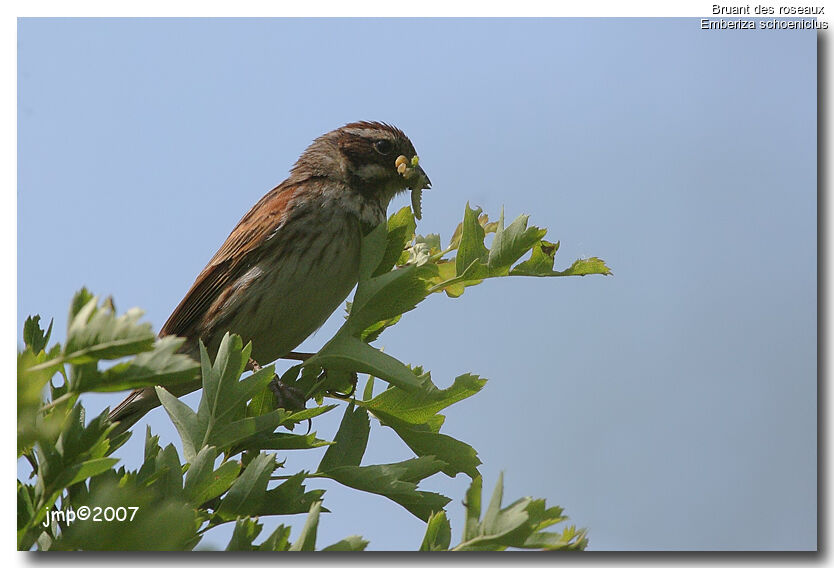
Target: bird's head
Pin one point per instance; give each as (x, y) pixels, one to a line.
(368, 157)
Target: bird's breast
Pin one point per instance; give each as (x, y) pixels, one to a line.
(304, 275)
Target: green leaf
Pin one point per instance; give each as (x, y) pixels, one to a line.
(585, 266)
(221, 419)
(401, 228)
(33, 336)
(490, 523)
(373, 331)
(170, 480)
(289, 498)
(151, 444)
(438, 533)
(368, 393)
(413, 416)
(240, 431)
(261, 403)
(185, 420)
(73, 457)
(518, 525)
(471, 249)
(30, 385)
(472, 502)
(540, 262)
(419, 406)
(397, 481)
(457, 456)
(353, 543)
(160, 522)
(388, 296)
(203, 482)
(79, 300)
(161, 366)
(220, 382)
(307, 413)
(97, 333)
(349, 354)
(90, 468)
(350, 441)
(307, 539)
(280, 441)
(247, 492)
(512, 243)
(278, 541)
(246, 530)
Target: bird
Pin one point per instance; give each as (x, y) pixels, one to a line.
(294, 257)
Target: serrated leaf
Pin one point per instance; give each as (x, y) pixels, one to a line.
(387, 296)
(239, 431)
(203, 482)
(353, 543)
(307, 539)
(289, 498)
(373, 332)
(418, 406)
(278, 541)
(438, 533)
(246, 495)
(161, 522)
(261, 403)
(490, 522)
(151, 444)
(170, 482)
(472, 502)
(368, 392)
(34, 337)
(246, 531)
(519, 525)
(350, 441)
(79, 300)
(221, 390)
(302, 415)
(280, 441)
(397, 481)
(90, 468)
(185, 421)
(97, 333)
(401, 227)
(586, 266)
(30, 385)
(540, 261)
(512, 243)
(161, 366)
(458, 456)
(471, 248)
(349, 354)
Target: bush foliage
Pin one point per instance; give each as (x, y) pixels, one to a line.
(229, 469)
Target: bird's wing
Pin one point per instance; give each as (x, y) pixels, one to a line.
(233, 258)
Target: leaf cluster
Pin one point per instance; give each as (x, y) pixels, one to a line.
(233, 462)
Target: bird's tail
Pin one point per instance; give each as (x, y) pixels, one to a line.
(132, 409)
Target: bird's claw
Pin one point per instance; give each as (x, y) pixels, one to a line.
(286, 396)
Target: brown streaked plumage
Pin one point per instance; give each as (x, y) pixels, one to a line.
(293, 258)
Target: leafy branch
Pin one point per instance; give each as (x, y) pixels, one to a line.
(234, 446)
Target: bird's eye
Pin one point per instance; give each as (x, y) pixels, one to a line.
(383, 146)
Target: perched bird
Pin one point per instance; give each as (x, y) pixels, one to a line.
(294, 257)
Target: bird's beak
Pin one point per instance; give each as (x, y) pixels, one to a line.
(420, 180)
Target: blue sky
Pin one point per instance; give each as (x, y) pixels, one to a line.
(671, 406)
